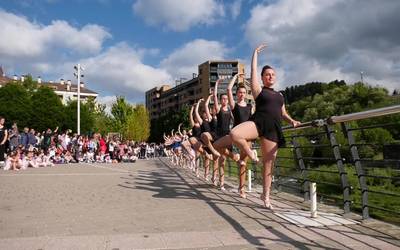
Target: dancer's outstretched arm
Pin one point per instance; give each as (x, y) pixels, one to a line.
(229, 91)
(196, 112)
(215, 96)
(191, 116)
(255, 86)
(166, 138)
(179, 129)
(207, 109)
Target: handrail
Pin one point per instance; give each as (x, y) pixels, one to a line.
(364, 114)
(346, 118)
(349, 148)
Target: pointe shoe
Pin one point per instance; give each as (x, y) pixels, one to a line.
(255, 156)
(215, 153)
(208, 156)
(267, 203)
(241, 163)
(242, 194)
(214, 181)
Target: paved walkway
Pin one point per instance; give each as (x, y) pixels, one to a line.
(151, 205)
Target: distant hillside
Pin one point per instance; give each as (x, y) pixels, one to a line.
(298, 92)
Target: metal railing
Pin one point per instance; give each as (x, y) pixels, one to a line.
(355, 161)
(344, 156)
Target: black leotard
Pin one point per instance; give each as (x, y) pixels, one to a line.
(268, 115)
(223, 122)
(241, 114)
(205, 126)
(196, 131)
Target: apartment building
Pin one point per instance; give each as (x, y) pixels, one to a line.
(163, 99)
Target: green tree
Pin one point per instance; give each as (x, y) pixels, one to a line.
(47, 109)
(166, 123)
(15, 104)
(138, 124)
(120, 111)
(86, 114)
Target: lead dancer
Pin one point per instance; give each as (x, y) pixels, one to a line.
(265, 123)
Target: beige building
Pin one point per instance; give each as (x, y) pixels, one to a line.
(64, 89)
(161, 100)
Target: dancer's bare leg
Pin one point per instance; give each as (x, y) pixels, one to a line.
(221, 168)
(198, 146)
(269, 150)
(222, 144)
(215, 171)
(246, 131)
(206, 138)
(242, 174)
(206, 168)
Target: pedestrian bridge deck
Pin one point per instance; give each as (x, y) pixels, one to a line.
(152, 205)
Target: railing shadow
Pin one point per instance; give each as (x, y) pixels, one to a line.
(168, 182)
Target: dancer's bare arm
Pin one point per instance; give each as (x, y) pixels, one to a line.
(229, 91)
(207, 109)
(196, 112)
(215, 96)
(179, 129)
(191, 116)
(289, 119)
(255, 86)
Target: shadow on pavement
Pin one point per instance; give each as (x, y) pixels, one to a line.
(168, 182)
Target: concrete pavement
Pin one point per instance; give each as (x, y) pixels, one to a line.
(152, 205)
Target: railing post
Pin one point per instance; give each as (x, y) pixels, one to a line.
(277, 176)
(342, 172)
(302, 166)
(360, 171)
(229, 167)
(249, 176)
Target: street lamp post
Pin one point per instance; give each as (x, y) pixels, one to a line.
(362, 76)
(78, 75)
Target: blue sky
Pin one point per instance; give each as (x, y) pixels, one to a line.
(129, 46)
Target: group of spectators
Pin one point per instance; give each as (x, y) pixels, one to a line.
(29, 148)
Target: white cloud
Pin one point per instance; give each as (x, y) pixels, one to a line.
(314, 40)
(27, 39)
(120, 71)
(185, 60)
(178, 15)
(235, 8)
(108, 101)
(52, 50)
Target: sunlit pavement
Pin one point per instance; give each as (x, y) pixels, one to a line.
(152, 205)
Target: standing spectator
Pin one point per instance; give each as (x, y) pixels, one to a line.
(3, 139)
(38, 139)
(32, 141)
(25, 138)
(14, 137)
(103, 145)
(47, 139)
